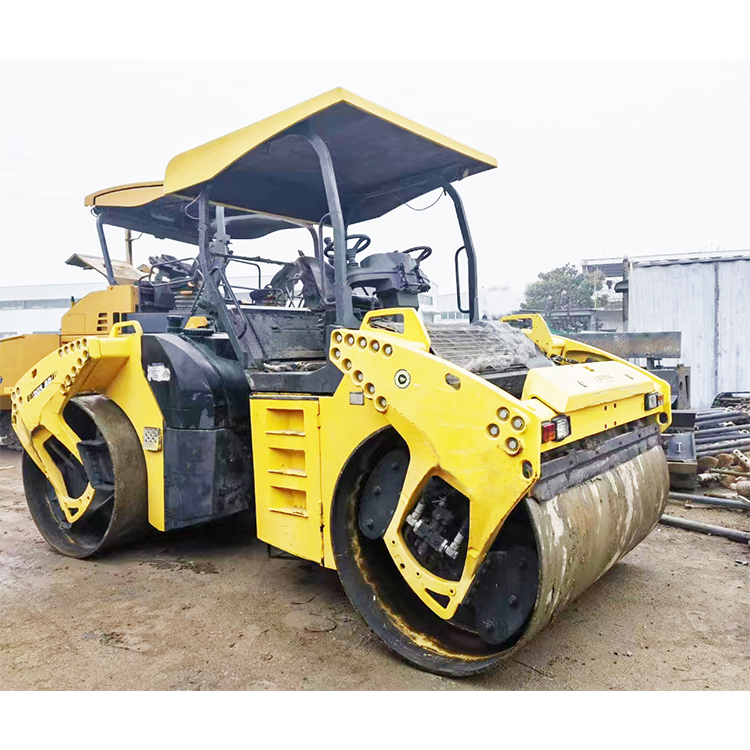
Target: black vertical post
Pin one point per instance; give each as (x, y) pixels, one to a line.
(470, 254)
(625, 294)
(344, 308)
(105, 250)
(204, 235)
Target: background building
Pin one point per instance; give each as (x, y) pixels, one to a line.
(703, 297)
(38, 309)
(494, 302)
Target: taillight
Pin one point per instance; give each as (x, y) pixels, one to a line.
(653, 401)
(548, 432)
(556, 429)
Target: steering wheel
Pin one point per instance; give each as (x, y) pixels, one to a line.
(426, 252)
(362, 243)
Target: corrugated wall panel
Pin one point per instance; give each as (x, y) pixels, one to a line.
(679, 297)
(734, 326)
(683, 297)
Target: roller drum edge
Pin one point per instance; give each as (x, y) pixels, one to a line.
(583, 532)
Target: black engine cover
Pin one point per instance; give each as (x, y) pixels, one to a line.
(204, 397)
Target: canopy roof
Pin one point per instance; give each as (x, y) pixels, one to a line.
(125, 196)
(143, 207)
(123, 272)
(381, 160)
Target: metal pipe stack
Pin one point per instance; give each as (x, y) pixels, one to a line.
(721, 431)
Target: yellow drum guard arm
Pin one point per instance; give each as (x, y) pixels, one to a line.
(458, 427)
(109, 365)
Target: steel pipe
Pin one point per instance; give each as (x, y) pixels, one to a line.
(719, 502)
(723, 438)
(705, 528)
(730, 443)
(718, 430)
(724, 444)
(719, 424)
(736, 417)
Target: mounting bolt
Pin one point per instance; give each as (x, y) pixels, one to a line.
(488, 625)
(512, 601)
(369, 524)
(395, 466)
(376, 491)
(512, 445)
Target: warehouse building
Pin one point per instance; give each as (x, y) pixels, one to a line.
(38, 309)
(703, 297)
(700, 295)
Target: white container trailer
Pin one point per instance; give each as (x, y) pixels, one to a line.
(708, 300)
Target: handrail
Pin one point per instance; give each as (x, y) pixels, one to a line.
(458, 281)
(105, 250)
(228, 287)
(179, 279)
(471, 255)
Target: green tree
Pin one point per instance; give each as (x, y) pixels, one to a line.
(562, 288)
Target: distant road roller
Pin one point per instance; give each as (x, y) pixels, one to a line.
(466, 481)
(147, 294)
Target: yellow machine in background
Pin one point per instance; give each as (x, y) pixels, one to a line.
(93, 315)
(466, 481)
(149, 295)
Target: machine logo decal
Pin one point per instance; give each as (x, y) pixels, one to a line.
(41, 386)
(158, 373)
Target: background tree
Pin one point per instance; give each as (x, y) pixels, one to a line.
(563, 288)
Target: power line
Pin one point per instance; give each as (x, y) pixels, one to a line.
(72, 171)
(77, 158)
(107, 122)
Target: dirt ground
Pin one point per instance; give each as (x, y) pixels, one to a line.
(209, 610)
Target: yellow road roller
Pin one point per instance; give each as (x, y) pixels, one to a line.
(466, 480)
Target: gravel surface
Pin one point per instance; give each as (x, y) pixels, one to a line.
(207, 609)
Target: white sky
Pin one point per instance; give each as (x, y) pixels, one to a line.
(596, 159)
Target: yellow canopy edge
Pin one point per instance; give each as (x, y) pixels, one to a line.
(126, 196)
(205, 162)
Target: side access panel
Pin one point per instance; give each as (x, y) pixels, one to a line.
(286, 453)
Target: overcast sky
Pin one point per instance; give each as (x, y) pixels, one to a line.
(596, 159)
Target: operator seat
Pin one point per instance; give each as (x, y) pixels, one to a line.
(311, 276)
(396, 277)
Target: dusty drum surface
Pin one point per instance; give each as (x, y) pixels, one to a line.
(581, 533)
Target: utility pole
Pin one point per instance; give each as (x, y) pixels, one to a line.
(128, 247)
